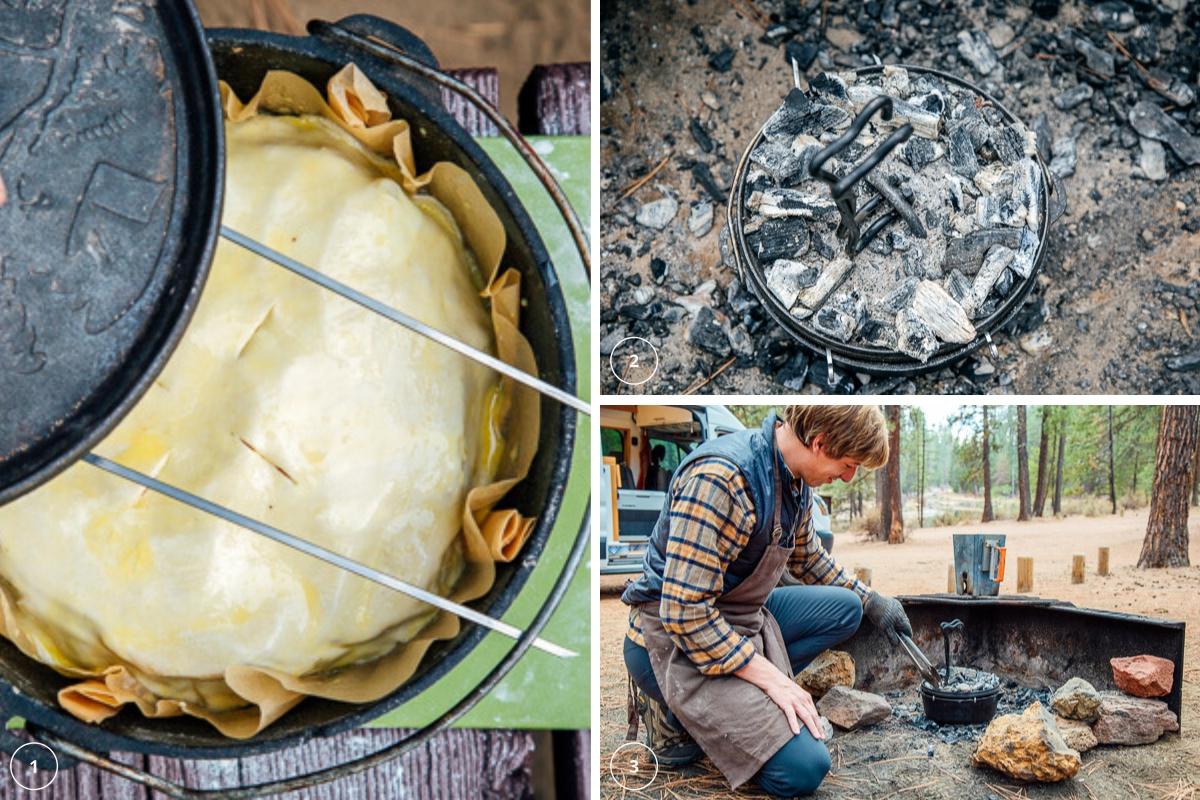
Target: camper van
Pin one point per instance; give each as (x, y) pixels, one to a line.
(642, 447)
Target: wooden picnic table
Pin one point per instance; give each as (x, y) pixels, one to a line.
(460, 763)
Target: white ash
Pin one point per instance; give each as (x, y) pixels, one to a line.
(964, 679)
(974, 183)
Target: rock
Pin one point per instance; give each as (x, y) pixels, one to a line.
(966, 254)
(707, 333)
(795, 372)
(700, 221)
(787, 278)
(709, 99)
(1037, 342)
(1063, 164)
(827, 727)
(941, 313)
(831, 668)
(1151, 121)
(1132, 720)
(1073, 97)
(1076, 699)
(610, 341)
(1078, 735)
(1114, 15)
(851, 709)
(843, 38)
(1098, 60)
(1027, 747)
(1152, 160)
(977, 51)
(1143, 675)
(913, 337)
(658, 214)
(1001, 34)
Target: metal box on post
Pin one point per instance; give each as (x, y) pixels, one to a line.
(979, 563)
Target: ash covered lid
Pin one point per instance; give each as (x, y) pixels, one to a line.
(111, 172)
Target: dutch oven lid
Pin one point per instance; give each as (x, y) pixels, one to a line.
(111, 157)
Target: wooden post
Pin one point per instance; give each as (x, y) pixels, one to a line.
(1102, 562)
(951, 582)
(863, 574)
(1077, 569)
(1024, 574)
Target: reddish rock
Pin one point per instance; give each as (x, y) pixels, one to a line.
(1144, 676)
(1132, 720)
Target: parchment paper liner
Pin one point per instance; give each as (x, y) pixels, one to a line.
(488, 535)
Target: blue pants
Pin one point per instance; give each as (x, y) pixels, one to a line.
(813, 619)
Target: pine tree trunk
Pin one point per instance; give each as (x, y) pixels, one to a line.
(921, 479)
(1022, 464)
(881, 504)
(1166, 543)
(1039, 501)
(1112, 474)
(895, 527)
(1058, 471)
(1196, 481)
(988, 514)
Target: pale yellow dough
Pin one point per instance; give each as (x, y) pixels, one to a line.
(365, 440)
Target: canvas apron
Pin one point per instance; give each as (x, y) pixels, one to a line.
(736, 724)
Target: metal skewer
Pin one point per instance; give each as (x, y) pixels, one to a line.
(317, 551)
(404, 320)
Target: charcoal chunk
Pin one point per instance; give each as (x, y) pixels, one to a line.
(707, 333)
(878, 333)
(962, 153)
(1114, 15)
(957, 286)
(778, 203)
(913, 337)
(919, 152)
(898, 298)
(828, 84)
(1081, 93)
(1152, 122)
(778, 238)
(700, 135)
(721, 61)
(841, 316)
(941, 313)
(778, 160)
(997, 260)
(966, 253)
(803, 53)
(1009, 144)
(787, 278)
(1041, 131)
(800, 115)
(976, 50)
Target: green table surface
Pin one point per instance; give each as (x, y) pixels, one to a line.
(542, 691)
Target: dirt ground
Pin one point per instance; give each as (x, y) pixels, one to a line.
(880, 762)
(510, 35)
(1115, 301)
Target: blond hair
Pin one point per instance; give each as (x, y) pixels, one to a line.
(857, 432)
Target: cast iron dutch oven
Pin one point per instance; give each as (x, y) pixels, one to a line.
(242, 57)
(875, 360)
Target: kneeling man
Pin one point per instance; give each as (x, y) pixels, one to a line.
(712, 635)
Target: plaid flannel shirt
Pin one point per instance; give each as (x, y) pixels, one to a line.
(711, 519)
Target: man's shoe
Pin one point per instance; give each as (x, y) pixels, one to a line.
(672, 745)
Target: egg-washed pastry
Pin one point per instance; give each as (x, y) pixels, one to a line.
(296, 407)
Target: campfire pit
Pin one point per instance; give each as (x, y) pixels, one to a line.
(1031, 642)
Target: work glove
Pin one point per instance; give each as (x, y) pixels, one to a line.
(888, 615)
